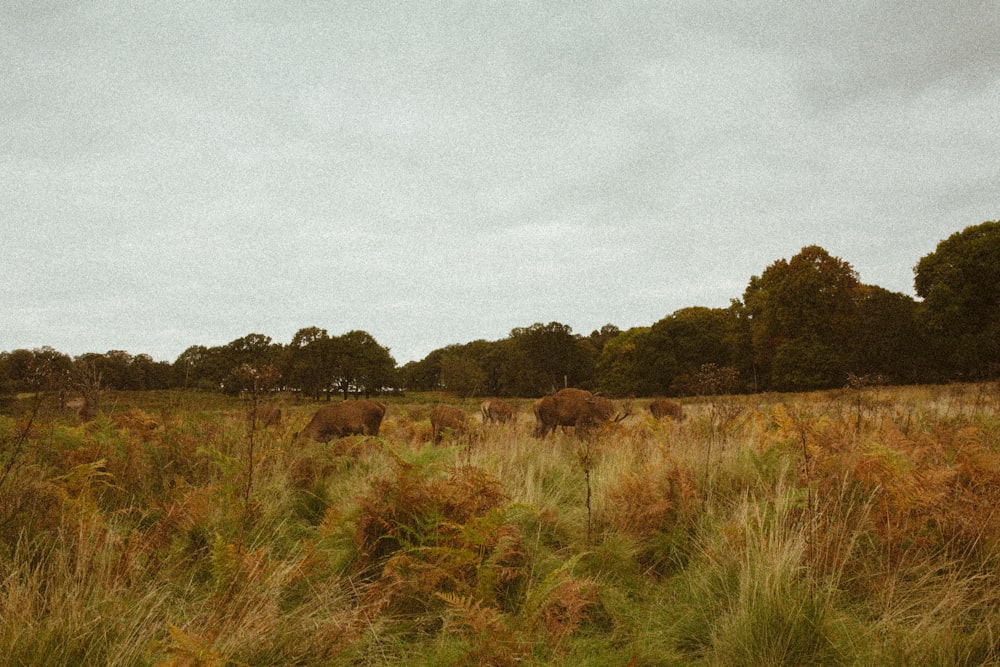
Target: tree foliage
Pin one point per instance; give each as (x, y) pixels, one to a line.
(361, 365)
(807, 322)
(623, 367)
(32, 370)
(889, 340)
(308, 362)
(549, 357)
(802, 315)
(693, 337)
(960, 285)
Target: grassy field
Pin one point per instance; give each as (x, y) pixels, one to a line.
(858, 527)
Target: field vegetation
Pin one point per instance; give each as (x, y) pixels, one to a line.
(844, 527)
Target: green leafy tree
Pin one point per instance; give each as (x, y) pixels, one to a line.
(476, 368)
(889, 341)
(31, 370)
(16, 367)
(530, 361)
(802, 316)
(114, 367)
(254, 351)
(308, 362)
(806, 363)
(423, 375)
(600, 338)
(666, 357)
(461, 374)
(493, 358)
(960, 285)
(145, 374)
(622, 368)
(548, 356)
(685, 341)
(361, 365)
(198, 367)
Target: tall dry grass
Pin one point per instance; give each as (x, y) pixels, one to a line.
(848, 527)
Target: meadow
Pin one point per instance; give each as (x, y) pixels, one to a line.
(849, 527)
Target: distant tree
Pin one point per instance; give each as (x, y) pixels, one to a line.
(86, 377)
(184, 368)
(308, 363)
(253, 351)
(517, 375)
(476, 368)
(13, 367)
(802, 316)
(493, 358)
(685, 341)
(547, 357)
(361, 365)
(960, 285)
(24, 370)
(622, 368)
(487, 368)
(806, 363)
(51, 363)
(889, 341)
(462, 374)
(664, 359)
(114, 366)
(200, 367)
(740, 343)
(16, 367)
(146, 374)
(600, 338)
(423, 375)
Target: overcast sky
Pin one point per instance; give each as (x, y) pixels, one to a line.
(185, 173)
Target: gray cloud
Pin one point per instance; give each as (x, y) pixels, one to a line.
(185, 173)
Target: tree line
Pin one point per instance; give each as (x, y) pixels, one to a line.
(804, 323)
(314, 364)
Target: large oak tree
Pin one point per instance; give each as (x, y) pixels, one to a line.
(960, 285)
(802, 315)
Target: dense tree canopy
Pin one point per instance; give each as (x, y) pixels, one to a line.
(308, 362)
(361, 365)
(200, 367)
(802, 315)
(530, 361)
(960, 285)
(687, 340)
(666, 357)
(31, 370)
(623, 367)
(548, 357)
(889, 342)
(806, 322)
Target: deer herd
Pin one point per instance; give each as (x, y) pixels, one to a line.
(566, 408)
